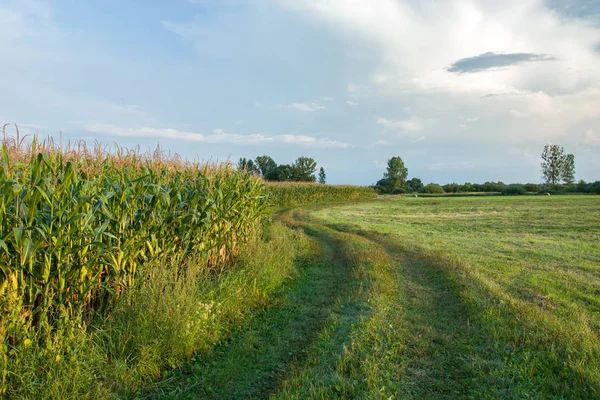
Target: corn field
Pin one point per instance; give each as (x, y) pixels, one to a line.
(292, 193)
(78, 223)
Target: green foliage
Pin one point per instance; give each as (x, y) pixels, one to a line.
(451, 188)
(568, 169)
(396, 173)
(154, 327)
(532, 187)
(493, 187)
(415, 184)
(433, 188)
(78, 231)
(248, 166)
(557, 166)
(288, 193)
(266, 165)
(322, 176)
(303, 169)
(514, 189)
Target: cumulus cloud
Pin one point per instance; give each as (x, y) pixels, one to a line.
(216, 137)
(516, 58)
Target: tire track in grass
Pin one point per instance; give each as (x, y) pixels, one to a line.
(417, 342)
(254, 362)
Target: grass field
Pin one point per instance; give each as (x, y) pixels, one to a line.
(425, 298)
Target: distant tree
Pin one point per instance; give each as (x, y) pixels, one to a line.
(396, 172)
(514, 189)
(322, 176)
(493, 187)
(415, 184)
(581, 186)
(383, 186)
(568, 169)
(451, 187)
(467, 187)
(532, 187)
(303, 169)
(266, 165)
(434, 188)
(552, 165)
(248, 165)
(281, 173)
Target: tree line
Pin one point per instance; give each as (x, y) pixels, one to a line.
(301, 170)
(558, 172)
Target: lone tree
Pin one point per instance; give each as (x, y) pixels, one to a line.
(322, 176)
(396, 173)
(568, 170)
(557, 166)
(303, 169)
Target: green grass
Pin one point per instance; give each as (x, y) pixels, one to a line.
(167, 320)
(410, 298)
(501, 294)
(424, 298)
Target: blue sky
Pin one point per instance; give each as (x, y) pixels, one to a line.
(461, 90)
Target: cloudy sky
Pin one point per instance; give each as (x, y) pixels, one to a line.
(462, 90)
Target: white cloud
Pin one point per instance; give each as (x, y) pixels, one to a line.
(409, 125)
(217, 136)
(546, 99)
(304, 107)
(352, 103)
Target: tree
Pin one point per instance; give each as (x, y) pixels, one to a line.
(396, 172)
(415, 184)
(434, 188)
(568, 169)
(266, 165)
(322, 176)
(281, 173)
(303, 169)
(248, 165)
(552, 166)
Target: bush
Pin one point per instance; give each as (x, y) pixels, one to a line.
(548, 190)
(400, 191)
(434, 188)
(514, 189)
(532, 187)
(595, 188)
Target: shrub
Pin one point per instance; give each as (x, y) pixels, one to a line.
(400, 191)
(532, 187)
(434, 188)
(514, 189)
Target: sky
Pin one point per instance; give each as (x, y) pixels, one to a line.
(462, 90)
